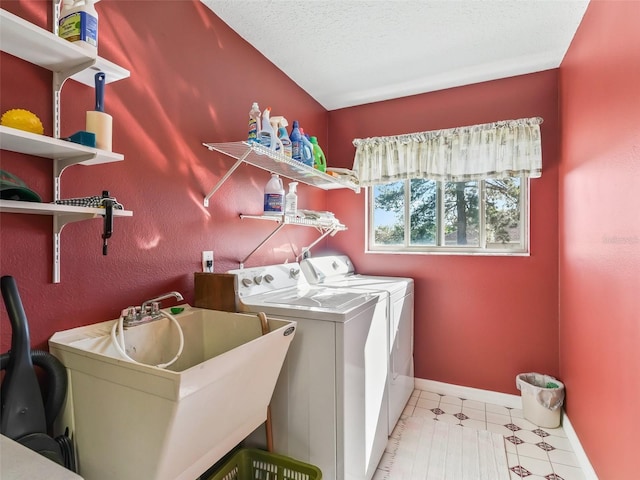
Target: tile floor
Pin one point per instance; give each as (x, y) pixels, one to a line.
(533, 453)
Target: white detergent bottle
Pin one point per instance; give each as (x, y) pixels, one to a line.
(291, 201)
(79, 24)
(267, 135)
(274, 196)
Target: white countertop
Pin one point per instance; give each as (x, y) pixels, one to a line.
(17, 462)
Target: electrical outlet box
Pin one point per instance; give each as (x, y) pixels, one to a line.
(207, 261)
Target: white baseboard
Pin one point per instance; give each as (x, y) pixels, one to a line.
(511, 401)
(470, 393)
(583, 460)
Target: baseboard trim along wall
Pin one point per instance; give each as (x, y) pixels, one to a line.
(487, 396)
(572, 436)
(511, 401)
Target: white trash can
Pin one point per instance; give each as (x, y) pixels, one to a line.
(542, 398)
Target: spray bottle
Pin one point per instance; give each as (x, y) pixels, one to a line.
(267, 136)
(274, 196)
(285, 141)
(254, 118)
(274, 121)
(283, 145)
(79, 24)
(291, 200)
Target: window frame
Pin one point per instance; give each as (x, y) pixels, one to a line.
(441, 249)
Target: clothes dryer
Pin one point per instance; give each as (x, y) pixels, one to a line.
(337, 271)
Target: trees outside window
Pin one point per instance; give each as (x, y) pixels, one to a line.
(418, 215)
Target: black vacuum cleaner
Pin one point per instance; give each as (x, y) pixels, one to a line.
(25, 416)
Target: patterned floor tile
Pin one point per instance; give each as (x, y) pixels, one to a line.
(520, 471)
(474, 413)
(532, 452)
(545, 446)
(497, 418)
(473, 404)
(499, 409)
(568, 473)
(475, 424)
(451, 400)
(512, 426)
(536, 466)
(564, 457)
(427, 403)
(447, 418)
(514, 439)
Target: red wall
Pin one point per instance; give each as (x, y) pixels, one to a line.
(480, 320)
(600, 236)
(192, 80)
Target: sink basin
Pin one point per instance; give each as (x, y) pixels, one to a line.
(133, 421)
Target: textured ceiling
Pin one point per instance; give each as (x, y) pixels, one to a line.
(351, 52)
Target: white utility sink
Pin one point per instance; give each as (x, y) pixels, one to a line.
(132, 421)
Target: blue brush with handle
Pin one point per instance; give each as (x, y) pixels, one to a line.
(98, 121)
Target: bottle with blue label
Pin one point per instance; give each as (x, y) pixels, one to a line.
(307, 149)
(79, 24)
(296, 141)
(285, 141)
(274, 196)
(267, 136)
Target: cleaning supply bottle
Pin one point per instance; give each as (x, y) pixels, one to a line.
(278, 147)
(274, 196)
(254, 118)
(267, 136)
(296, 141)
(285, 141)
(319, 160)
(79, 24)
(291, 200)
(307, 149)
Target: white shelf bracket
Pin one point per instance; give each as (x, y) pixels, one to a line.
(58, 80)
(226, 175)
(331, 231)
(59, 221)
(271, 235)
(58, 167)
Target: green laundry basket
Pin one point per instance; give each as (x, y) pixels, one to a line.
(254, 464)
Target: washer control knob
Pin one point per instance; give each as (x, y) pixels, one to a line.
(257, 279)
(335, 265)
(247, 282)
(294, 272)
(268, 278)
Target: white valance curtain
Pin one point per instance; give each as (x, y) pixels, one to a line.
(499, 149)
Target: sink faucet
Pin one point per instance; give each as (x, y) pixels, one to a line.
(148, 311)
(145, 305)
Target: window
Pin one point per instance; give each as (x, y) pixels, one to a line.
(419, 215)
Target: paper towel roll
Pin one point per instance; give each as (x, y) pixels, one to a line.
(101, 124)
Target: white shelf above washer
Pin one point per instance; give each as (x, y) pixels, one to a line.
(325, 228)
(271, 161)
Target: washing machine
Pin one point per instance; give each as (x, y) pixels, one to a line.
(329, 407)
(337, 271)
